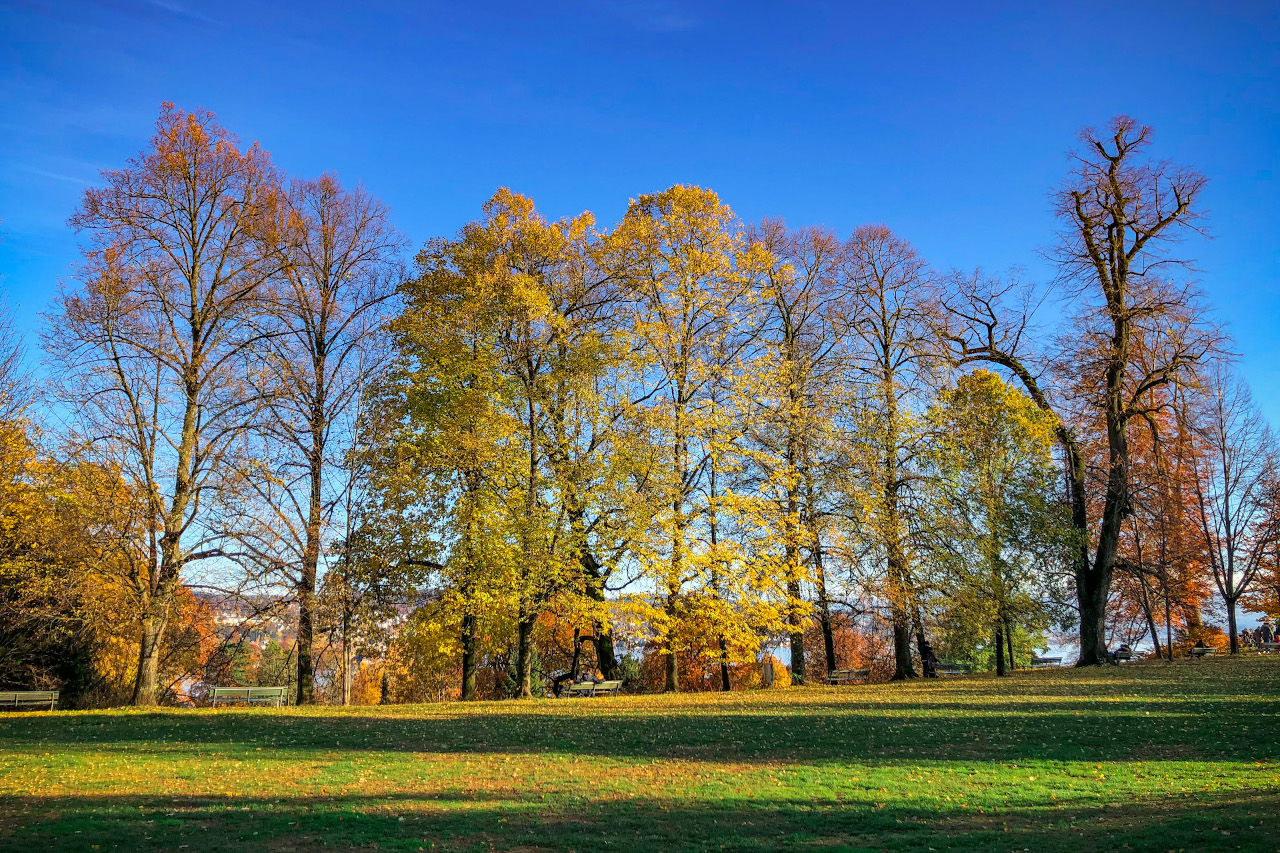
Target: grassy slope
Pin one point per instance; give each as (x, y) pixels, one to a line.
(1149, 757)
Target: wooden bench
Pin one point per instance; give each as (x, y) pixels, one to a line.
(1044, 663)
(28, 699)
(1197, 652)
(1269, 648)
(1122, 655)
(585, 689)
(952, 669)
(251, 695)
(593, 688)
(848, 676)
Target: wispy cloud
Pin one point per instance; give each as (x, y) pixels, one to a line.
(181, 10)
(58, 176)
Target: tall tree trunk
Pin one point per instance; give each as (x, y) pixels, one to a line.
(306, 594)
(999, 644)
(797, 633)
(902, 664)
(146, 680)
(903, 667)
(606, 659)
(524, 657)
(306, 590)
(1232, 627)
(672, 675)
(1151, 618)
(469, 661)
(725, 686)
(824, 610)
(1008, 641)
(346, 657)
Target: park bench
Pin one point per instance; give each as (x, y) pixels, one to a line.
(582, 690)
(28, 699)
(848, 676)
(1044, 663)
(951, 669)
(1197, 652)
(252, 695)
(1269, 648)
(1122, 655)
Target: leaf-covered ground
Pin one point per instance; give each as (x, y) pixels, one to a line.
(1147, 757)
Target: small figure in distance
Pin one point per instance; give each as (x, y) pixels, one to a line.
(1265, 631)
(928, 660)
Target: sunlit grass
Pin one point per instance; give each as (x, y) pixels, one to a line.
(1155, 757)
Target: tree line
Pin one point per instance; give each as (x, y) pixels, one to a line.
(655, 449)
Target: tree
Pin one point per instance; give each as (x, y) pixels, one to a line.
(790, 422)
(889, 319)
(1121, 215)
(1000, 525)
(322, 313)
(684, 262)
(152, 342)
(1236, 485)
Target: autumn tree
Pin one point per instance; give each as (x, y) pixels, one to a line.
(889, 320)
(151, 341)
(1000, 526)
(504, 347)
(684, 261)
(1121, 215)
(789, 423)
(321, 314)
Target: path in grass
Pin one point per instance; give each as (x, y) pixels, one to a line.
(1155, 757)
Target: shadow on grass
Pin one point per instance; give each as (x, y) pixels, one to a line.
(1243, 820)
(809, 731)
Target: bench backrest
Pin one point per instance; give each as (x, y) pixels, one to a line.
(28, 697)
(588, 688)
(249, 693)
(849, 673)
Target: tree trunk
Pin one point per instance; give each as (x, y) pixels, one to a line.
(145, 682)
(469, 657)
(346, 659)
(903, 667)
(306, 634)
(999, 643)
(672, 682)
(797, 633)
(524, 657)
(1232, 629)
(1151, 618)
(824, 611)
(606, 659)
(1008, 641)
(306, 591)
(1091, 593)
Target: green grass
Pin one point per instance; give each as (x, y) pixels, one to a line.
(1148, 757)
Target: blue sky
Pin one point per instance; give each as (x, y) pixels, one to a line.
(947, 121)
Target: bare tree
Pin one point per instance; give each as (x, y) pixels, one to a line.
(338, 267)
(1121, 215)
(152, 341)
(1236, 485)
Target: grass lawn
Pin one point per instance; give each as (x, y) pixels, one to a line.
(1146, 757)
